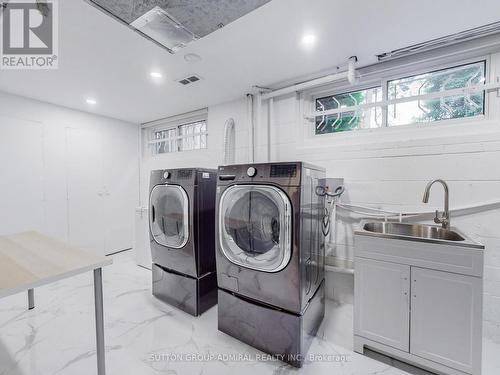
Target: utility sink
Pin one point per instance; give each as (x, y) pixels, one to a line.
(416, 232)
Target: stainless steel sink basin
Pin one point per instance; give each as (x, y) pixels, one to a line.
(413, 230)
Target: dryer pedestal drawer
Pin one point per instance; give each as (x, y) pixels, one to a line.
(282, 334)
(192, 295)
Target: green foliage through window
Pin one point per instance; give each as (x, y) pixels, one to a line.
(446, 108)
(369, 118)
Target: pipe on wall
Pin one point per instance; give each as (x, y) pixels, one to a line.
(307, 85)
(270, 121)
(229, 139)
(349, 74)
(251, 122)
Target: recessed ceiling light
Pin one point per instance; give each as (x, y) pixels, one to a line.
(308, 40)
(156, 74)
(192, 57)
(91, 101)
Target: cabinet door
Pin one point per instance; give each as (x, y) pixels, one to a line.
(381, 302)
(446, 311)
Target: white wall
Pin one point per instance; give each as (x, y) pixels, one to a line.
(68, 174)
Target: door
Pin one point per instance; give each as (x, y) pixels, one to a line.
(85, 194)
(381, 293)
(255, 227)
(169, 216)
(121, 189)
(446, 318)
(23, 203)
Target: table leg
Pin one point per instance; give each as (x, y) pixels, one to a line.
(31, 299)
(99, 322)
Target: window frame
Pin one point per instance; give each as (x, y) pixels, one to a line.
(354, 89)
(434, 70)
(177, 125)
(381, 79)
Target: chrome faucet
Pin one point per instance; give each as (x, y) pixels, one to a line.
(443, 219)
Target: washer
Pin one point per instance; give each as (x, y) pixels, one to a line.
(270, 256)
(182, 237)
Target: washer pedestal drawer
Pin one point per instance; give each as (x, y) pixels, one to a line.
(282, 334)
(192, 295)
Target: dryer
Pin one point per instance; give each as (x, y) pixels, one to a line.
(182, 237)
(270, 255)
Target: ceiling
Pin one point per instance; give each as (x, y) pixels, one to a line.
(104, 59)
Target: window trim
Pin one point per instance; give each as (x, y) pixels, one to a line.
(463, 62)
(171, 125)
(381, 78)
(357, 89)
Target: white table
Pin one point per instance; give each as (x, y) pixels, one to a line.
(29, 260)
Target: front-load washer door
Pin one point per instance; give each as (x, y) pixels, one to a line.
(255, 224)
(169, 216)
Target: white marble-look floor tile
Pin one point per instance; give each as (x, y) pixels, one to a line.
(145, 336)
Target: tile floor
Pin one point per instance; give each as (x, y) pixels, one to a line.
(58, 337)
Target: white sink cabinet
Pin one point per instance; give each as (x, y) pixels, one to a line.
(419, 301)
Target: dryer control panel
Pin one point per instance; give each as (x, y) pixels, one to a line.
(284, 173)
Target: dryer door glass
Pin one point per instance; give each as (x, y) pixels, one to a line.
(255, 227)
(169, 215)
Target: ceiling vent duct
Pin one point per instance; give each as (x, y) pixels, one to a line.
(159, 26)
(478, 32)
(173, 24)
(188, 80)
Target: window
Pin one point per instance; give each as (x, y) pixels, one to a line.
(190, 136)
(339, 122)
(444, 108)
(193, 136)
(168, 140)
(421, 98)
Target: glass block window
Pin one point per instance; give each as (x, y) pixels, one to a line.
(352, 120)
(185, 137)
(444, 108)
